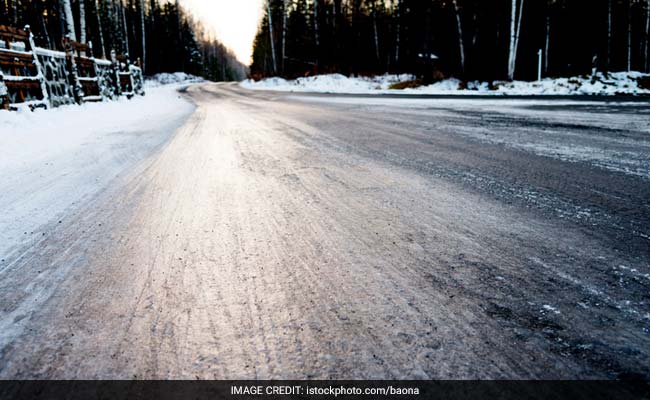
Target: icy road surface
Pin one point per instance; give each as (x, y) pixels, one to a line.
(296, 236)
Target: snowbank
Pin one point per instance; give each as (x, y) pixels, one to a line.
(166, 78)
(53, 159)
(615, 83)
(333, 83)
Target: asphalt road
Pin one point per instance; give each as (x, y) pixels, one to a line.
(295, 236)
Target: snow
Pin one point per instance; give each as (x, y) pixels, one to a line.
(332, 83)
(550, 308)
(50, 53)
(52, 160)
(166, 78)
(614, 83)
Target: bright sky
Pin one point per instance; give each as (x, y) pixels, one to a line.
(234, 22)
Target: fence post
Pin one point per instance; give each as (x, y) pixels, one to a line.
(77, 88)
(40, 71)
(4, 94)
(97, 73)
(116, 73)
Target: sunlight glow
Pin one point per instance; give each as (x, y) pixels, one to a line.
(233, 21)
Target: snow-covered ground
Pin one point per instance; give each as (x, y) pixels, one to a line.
(51, 160)
(166, 78)
(332, 83)
(615, 83)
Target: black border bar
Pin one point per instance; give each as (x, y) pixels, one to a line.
(335, 389)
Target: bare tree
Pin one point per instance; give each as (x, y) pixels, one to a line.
(374, 27)
(629, 35)
(82, 21)
(144, 41)
(101, 31)
(15, 11)
(517, 11)
(69, 20)
(46, 34)
(398, 29)
(647, 36)
(112, 23)
(547, 38)
(609, 34)
(272, 40)
(125, 31)
(316, 36)
(179, 21)
(284, 32)
(461, 45)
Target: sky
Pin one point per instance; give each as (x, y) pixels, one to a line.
(233, 21)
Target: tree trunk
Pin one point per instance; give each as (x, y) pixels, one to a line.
(39, 8)
(144, 41)
(82, 21)
(15, 11)
(113, 32)
(272, 40)
(547, 40)
(398, 30)
(647, 37)
(284, 33)
(125, 31)
(515, 29)
(428, 66)
(513, 19)
(100, 28)
(69, 20)
(316, 36)
(475, 25)
(180, 35)
(374, 27)
(629, 35)
(521, 13)
(609, 35)
(461, 46)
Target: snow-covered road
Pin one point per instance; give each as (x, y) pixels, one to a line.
(53, 161)
(296, 236)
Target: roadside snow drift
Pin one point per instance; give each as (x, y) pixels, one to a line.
(53, 159)
(614, 83)
(166, 78)
(333, 83)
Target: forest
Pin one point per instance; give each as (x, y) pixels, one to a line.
(469, 39)
(161, 34)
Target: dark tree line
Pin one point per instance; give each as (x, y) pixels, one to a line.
(473, 39)
(161, 34)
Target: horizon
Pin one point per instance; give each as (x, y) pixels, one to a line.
(233, 23)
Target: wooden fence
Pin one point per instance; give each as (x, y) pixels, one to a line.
(34, 77)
